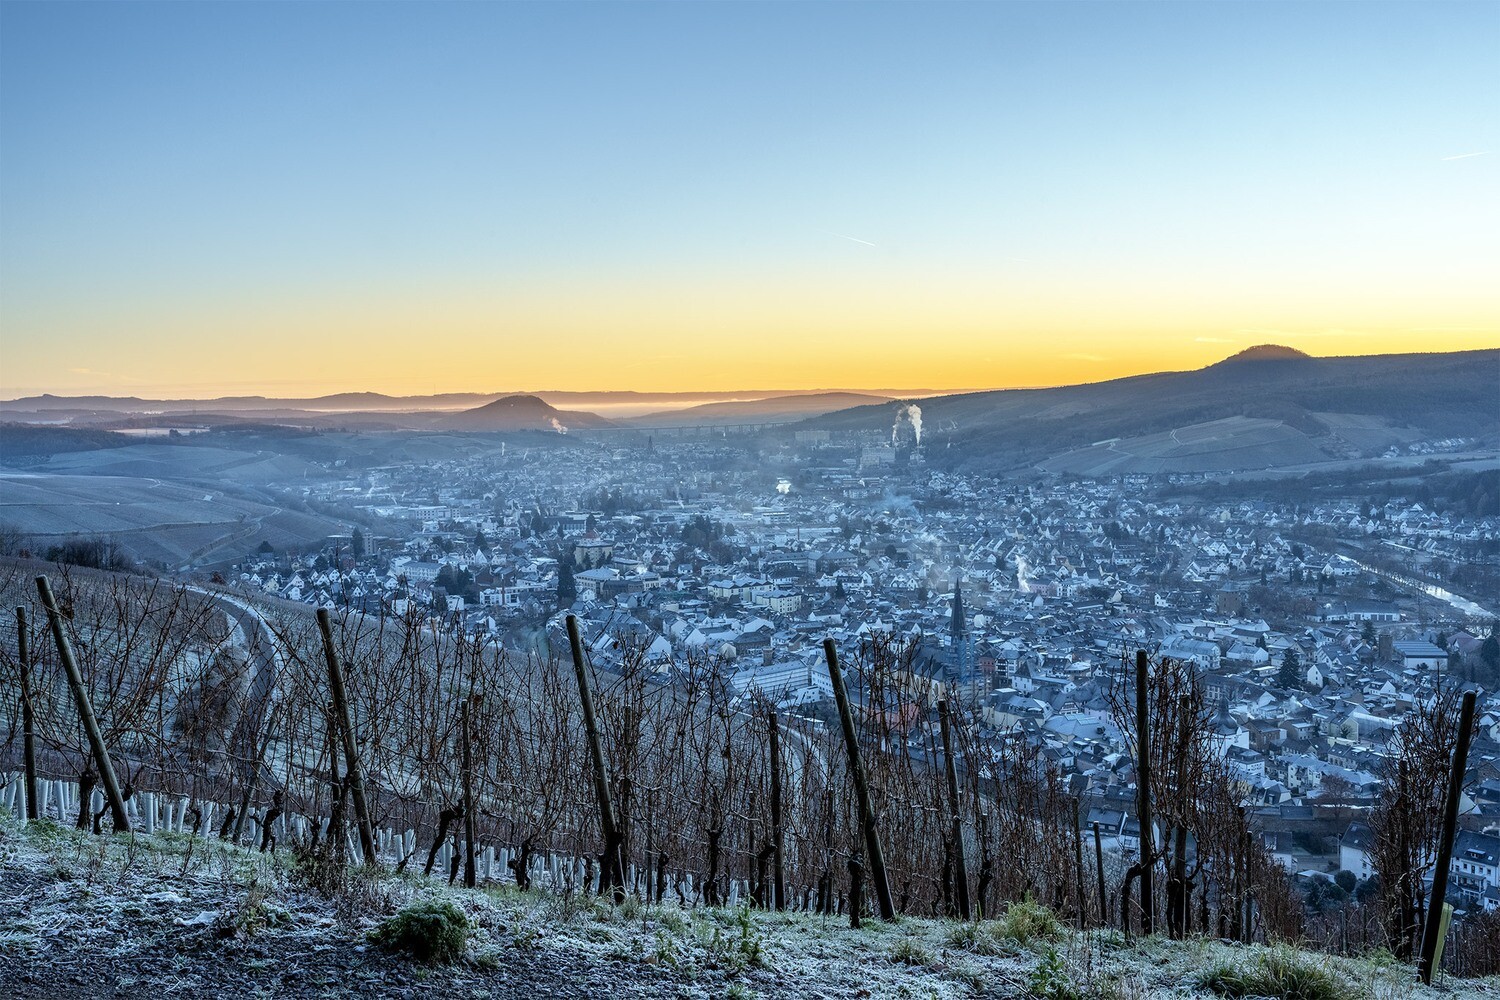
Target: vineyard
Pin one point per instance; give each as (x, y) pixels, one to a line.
(592, 779)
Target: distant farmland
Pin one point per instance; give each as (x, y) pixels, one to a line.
(182, 461)
(159, 522)
(1227, 445)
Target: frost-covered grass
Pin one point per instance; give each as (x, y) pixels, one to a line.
(168, 887)
(1277, 972)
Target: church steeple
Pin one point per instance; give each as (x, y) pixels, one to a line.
(963, 644)
(958, 613)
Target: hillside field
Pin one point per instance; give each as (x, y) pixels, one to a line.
(161, 522)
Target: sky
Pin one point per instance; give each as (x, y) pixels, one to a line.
(289, 199)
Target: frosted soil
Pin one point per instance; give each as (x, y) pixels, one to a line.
(172, 915)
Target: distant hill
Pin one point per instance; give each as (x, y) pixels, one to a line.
(520, 413)
(93, 409)
(1268, 407)
(1267, 352)
(47, 403)
(776, 409)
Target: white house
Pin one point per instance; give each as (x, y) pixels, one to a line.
(1418, 655)
(1355, 851)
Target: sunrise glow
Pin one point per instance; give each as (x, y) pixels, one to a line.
(412, 199)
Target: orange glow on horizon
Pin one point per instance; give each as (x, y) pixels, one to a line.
(234, 199)
(932, 332)
(1023, 366)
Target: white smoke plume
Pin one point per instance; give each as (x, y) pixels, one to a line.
(1021, 570)
(557, 426)
(912, 414)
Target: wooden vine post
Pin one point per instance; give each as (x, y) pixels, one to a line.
(876, 857)
(1177, 882)
(256, 766)
(778, 868)
(28, 717)
(1083, 900)
(345, 722)
(470, 876)
(85, 710)
(335, 841)
(1432, 928)
(612, 867)
(1143, 789)
(1099, 870)
(956, 823)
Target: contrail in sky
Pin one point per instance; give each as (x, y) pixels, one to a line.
(852, 239)
(1465, 156)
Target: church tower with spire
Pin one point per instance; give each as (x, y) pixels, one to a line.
(963, 642)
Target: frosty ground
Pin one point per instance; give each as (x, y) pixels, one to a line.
(172, 915)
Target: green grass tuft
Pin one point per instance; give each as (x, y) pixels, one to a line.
(1278, 972)
(429, 931)
(978, 939)
(1028, 922)
(672, 919)
(910, 951)
(1051, 980)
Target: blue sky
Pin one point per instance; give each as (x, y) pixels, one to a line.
(1131, 183)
